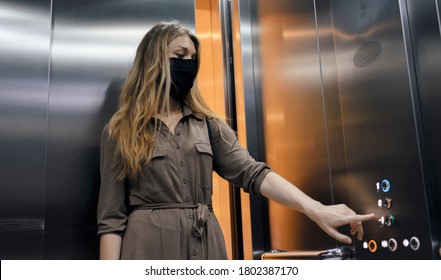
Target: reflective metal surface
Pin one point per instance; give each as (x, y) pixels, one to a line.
(250, 83)
(294, 120)
(337, 96)
(24, 57)
(381, 128)
(50, 132)
(349, 92)
(425, 30)
(93, 46)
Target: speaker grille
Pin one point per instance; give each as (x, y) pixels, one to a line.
(367, 54)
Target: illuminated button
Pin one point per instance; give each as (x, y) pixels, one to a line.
(385, 185)
(385, 203)
(388, 220)
(405, 243)
(381, 221)
(372, 245)
(392, 244)
(365, 245)
(384, 243)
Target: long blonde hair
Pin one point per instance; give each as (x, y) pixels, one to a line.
(145, 94)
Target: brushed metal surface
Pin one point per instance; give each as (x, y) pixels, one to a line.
(293, 116)
(250, 80)
(381, 125)
(349, 98)
(94, 43)
(63, 63)
(24, 57)
(425, 38)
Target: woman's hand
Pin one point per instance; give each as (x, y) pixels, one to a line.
(328, 218)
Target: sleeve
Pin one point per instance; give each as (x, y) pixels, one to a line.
(112, 209)
(234, 163)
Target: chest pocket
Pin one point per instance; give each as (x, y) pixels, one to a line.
(153, 181)
(158, 153)
(204, 165)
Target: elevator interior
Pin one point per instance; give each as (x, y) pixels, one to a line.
(340, 97)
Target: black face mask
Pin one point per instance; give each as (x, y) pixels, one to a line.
(183, 73)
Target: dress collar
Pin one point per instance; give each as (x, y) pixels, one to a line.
(186, 111)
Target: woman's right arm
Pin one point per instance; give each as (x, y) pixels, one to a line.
(112, 209)
(110, 247)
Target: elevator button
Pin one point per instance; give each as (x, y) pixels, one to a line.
(385, 203)
(372, 245)
(392, 244)
(414, 243)
(385, 185)
(390, 220)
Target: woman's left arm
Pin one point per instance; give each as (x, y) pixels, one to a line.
(327, 217)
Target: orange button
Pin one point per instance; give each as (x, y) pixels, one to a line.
(372, 246)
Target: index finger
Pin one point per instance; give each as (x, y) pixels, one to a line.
(360, 218)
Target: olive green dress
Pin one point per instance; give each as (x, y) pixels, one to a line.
(166, 212)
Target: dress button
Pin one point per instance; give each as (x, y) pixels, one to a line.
(187, 199)
(184, 181)
(195, 252)
(178, 133)
(177, 146)
(190, 217)
(182, 163)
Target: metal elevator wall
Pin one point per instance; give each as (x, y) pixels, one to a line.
(347, 94)
(24, 57)
(63, 62)
(381, 116)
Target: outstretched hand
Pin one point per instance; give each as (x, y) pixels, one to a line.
(330, 217)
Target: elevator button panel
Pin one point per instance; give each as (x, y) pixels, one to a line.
(392, 244)
(387, 238)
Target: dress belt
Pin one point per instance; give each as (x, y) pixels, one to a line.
(201, 213)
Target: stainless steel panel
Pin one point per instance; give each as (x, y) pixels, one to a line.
(380, 126)
(332, 106)
(25, 33)
(249, 29)
(425, 38)
(94, 43)
(294, 120)
(284, 97)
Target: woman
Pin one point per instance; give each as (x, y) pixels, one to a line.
(158, 153)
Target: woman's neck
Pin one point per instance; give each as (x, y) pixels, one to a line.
(175, 107)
